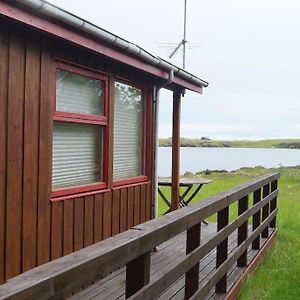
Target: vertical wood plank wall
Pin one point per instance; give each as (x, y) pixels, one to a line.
(34, 230)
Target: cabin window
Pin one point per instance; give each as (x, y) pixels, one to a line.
(79, 128)
(78, 94)
(129, 132)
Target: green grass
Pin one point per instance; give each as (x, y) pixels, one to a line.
(276, 143)
(279, 275)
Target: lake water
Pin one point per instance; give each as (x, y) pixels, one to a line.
(197, 159)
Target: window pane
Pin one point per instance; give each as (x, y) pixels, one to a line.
(77, 152)
(128, 131)
(78, 94)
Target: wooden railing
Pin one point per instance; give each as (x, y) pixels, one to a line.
(60, 278)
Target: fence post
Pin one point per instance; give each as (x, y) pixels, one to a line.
(192, 276)
(242, 231)
(222, 249)
(273, 203)
(256, 219)
(137, 274)
(266, 210)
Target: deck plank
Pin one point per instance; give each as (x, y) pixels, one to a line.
(166, 256)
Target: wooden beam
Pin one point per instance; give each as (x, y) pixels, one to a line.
(222, 249)
(175, 151)
(256, 218)
(137, 274)
(273, 204)
(192, 276)
(243, 230)
(266, 210)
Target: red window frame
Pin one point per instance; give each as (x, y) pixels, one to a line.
(84, 119)
(146, 97)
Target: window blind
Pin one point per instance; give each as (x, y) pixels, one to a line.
(76, 154)
(128, 131)
(78, 94)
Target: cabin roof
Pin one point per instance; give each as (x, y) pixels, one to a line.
(52, 19)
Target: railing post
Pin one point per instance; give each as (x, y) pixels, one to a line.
(273, 203)
(192, 276)
(256, 219)
(137, 274)
(242, 231)
(222, 249)
(265, 210)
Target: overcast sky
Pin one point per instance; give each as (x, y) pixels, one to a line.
(249, 52)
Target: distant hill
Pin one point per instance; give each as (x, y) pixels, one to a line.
(278, 143)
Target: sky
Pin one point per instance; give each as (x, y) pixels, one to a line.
(248, 51)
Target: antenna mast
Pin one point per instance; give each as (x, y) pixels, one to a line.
(183, 41)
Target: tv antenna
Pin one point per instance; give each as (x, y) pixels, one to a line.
(183, 41)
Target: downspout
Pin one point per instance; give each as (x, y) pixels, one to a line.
(156, 93)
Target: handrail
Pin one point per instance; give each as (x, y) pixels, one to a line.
(218, 273)
(196, 255)
(61, 277)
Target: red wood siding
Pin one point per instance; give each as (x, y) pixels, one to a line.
(34, 230)
(31, 152)
(3, 143)
(45, 154)
(16, 61)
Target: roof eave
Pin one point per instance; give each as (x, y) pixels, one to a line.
(136, 56)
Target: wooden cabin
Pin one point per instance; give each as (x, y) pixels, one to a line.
(78, 114)
(78, 130)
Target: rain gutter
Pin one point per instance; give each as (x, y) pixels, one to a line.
(57, 13)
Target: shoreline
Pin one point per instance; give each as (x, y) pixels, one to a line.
(206, 143)
(242, 169)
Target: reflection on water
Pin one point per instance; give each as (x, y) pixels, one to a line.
(197, 159)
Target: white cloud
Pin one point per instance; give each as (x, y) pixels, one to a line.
(196, 130)
(255, 105)
(231, 132)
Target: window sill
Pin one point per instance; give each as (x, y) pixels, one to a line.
(130, 181)
(78, 191)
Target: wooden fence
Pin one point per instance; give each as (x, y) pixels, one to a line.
(60, 278)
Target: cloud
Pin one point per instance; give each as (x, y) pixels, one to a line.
(196, 130)
(233, 131)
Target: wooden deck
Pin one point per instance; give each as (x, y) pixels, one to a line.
(171, 272)
(166, 257)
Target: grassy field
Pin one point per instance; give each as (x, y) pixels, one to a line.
(279, 275)
(278, 143)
